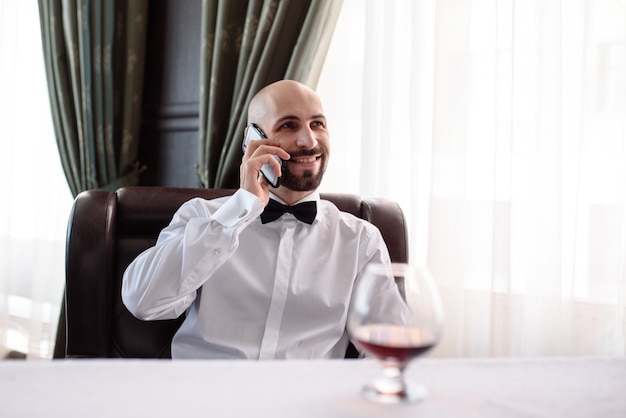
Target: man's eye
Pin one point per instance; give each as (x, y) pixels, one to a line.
(317, 123)
(287, 125)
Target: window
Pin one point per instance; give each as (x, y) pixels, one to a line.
(36, 202)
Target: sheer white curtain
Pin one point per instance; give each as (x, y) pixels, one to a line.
(500, 127)
(35, 199)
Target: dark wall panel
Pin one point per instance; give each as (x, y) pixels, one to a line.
(172, 159)
(169, 133)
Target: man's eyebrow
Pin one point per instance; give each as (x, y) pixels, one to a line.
(287, 117)
(294, 117)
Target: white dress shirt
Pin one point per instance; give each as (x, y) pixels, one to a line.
(253, 290)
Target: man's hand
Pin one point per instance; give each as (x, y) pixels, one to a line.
(257, 154)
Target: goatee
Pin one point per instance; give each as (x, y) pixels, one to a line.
(308, 180)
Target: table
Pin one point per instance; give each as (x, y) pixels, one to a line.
(515, 387)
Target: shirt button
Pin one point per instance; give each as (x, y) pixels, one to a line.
(217, 251)
(243, 213)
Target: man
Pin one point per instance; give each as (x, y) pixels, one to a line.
(254, 287)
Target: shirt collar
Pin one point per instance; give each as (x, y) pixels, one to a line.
(313, 197)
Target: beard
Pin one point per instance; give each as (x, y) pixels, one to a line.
(308, 180)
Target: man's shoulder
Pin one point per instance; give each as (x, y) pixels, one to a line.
(332, 214)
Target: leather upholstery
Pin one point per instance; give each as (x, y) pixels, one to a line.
(107, 230)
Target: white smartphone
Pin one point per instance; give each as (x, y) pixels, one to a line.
(253, 133)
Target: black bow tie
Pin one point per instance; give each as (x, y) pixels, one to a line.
(304, 211)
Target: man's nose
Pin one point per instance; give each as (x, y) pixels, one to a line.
(306, 138)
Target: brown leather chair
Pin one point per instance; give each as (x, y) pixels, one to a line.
(107, 230)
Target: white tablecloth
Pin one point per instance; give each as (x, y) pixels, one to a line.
(550, 387)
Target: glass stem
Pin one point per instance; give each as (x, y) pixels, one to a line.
(394, 376)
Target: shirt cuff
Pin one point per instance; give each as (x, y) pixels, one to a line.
(242, 206)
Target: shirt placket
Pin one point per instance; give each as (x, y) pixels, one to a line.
(269, 344)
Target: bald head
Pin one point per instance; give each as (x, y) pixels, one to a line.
(281, 97)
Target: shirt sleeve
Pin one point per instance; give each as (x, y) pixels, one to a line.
(387, 298)
(161, 282)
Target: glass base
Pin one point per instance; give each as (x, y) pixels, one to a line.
(380, 391)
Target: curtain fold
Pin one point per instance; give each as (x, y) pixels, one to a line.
(245, 46)
(94, 56)
(500, 128)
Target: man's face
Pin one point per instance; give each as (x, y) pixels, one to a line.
(297, 122)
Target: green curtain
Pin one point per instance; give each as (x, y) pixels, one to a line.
(247, 44)
(94, 57)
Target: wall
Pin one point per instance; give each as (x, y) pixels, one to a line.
(169, 132)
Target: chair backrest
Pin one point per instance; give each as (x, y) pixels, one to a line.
(107, 230)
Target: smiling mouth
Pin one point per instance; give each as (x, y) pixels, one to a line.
(304, 160)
